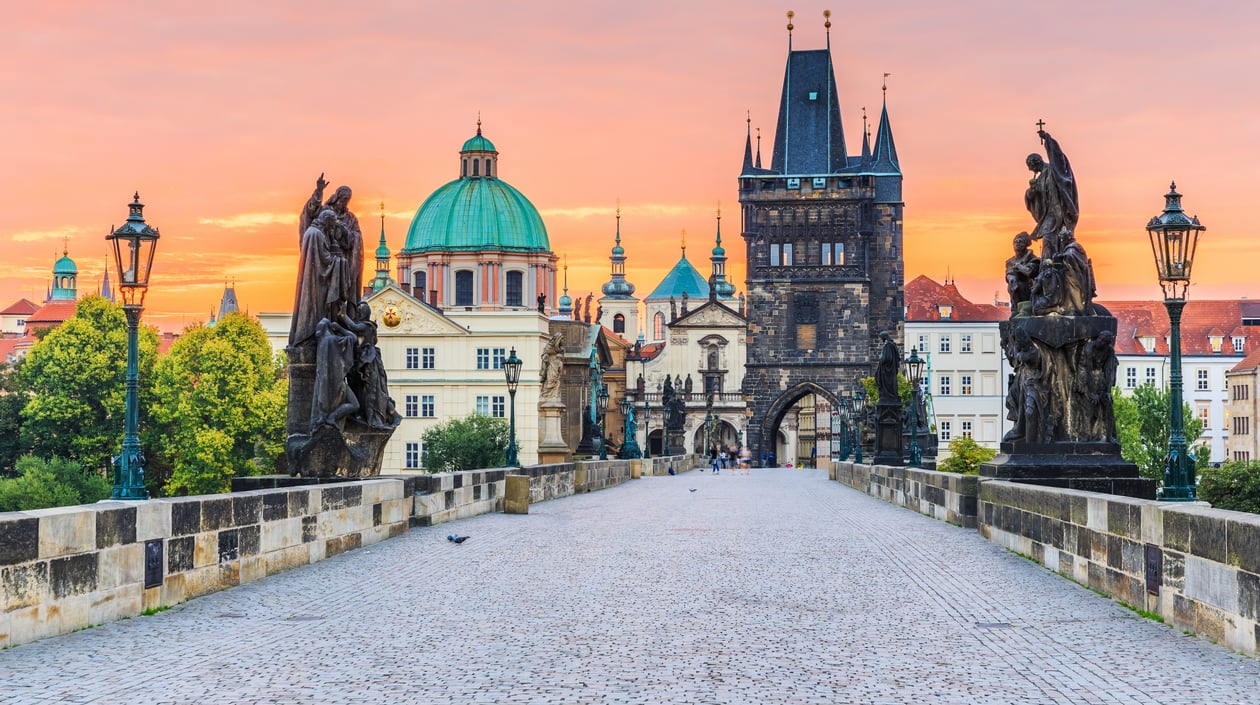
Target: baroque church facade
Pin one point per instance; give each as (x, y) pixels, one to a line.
(823, 235)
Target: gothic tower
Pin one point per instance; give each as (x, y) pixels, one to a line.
(824, 238)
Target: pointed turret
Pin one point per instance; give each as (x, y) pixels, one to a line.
(227, 303)
(382, 278)
(748, 153)
(885, 157)
(107, 291)
(809, 138)
(867, 159)
(719, 287)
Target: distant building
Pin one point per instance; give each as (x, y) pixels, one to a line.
(1243, 409)
(13, 318)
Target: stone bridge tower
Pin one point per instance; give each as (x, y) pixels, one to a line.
(823, 231)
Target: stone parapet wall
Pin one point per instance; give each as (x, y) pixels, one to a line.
(681, 463)
(1197, 567)
(447, 496)
(946, 496)
(67, 568)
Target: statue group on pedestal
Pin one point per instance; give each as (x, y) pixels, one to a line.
(1060, 344)
(332, 338)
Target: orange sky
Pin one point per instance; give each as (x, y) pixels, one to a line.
(222, 115)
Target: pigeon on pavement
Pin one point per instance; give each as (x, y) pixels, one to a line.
(456, 538)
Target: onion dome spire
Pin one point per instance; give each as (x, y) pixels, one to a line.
(617, 286)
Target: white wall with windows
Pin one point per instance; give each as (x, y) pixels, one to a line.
(967, 377)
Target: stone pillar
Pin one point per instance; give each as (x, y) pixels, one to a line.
(551, 445)
(888, 435)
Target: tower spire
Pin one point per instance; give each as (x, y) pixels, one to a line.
(790, 15)
(758, 164)
(748, 158)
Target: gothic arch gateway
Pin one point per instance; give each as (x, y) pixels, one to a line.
(769, 423)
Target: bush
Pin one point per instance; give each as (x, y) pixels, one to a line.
(465, 444)
(965, 456)
(50, 483)
(1235, 485)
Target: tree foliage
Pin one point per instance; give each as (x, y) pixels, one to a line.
(1235, 485)
(219, 407)
(50, 483)
(75, 378)
(465, 444)
(1142, 427)
(965, 456)
(12, 400)
(872, 389)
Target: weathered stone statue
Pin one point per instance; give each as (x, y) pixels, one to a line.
(888, 409)
(1061, 347)
(587, 317)
(340, 415)
(886, 371)
(542, 303)
(675, 407)
(552, 366)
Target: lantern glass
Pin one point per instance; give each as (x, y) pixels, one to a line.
(512, 370)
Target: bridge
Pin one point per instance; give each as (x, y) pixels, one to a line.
(776, 587)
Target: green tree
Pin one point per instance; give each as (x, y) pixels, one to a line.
(219, 407)
(465, 444)
(50, 483)
(965, 456)
(1235, 485)
(76, 379)
(872, 390)
(1142, 428)
(13, 398)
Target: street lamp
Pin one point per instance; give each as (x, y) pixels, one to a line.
(842, 411)
(914, 372)
(602, 400)
(134, 243)
(512, 371)
(1174, 237)
(859, 413)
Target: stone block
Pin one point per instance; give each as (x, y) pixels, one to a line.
(246, 509)
(216, 514)
(113, 605)
(185, 517)
(23, 585)
(1174, 570)
(1243, 542)
(115, 526)
(300, 502)
(121, 565)
(180, 553)
(1096, 514)
(229, 545)
(19, 538)
(516, 496)
(1176, 530)
(253, 568)
(316, 551)
(1152, 523)
(65, 531)
(29, 624)
(288, 558)
(1248, 595)
(73, 575)
(1210, 622)
(153, 520)
(205, 549)
(6, 630)
(249, 540)
(208, 579)
(1207, 536)
(1212, 583)
(171, 593)
(310, 528)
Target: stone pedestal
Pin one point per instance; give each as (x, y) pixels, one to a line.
(677, 442)
(1089, 466)
(516, 494)
(551, 445)
(888, 435)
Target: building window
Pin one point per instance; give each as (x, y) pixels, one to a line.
(491, 358)
(488, 166)
(658, 326)
(945, 384)
(498, 407)
(1242, 425)
(1240, 344)
(946, 311)
(476, 168)
(515, 288)
(499, 355)
(619, 324)
(483, 358)
(964, 343)
(965, 428)
(428, 358)
(943, 431)
(1150, 375)
(964, 385)
(411, 406)
(787, 254)
(1130, 377)
(923, 343)
(946, 343)
(831, 254)
(483, 406)
(464, 288)
(413, 358)
(1216, 341)
(411, 458)
(1205, 416)
(775, 254)
(427, 409)
(418, 284)
(1201, 380)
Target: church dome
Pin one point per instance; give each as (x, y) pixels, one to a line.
(682, 279)
(65, 265)
(477, 212)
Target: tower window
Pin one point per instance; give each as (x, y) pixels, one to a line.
(487, 167)
(515, 286)
(418, 284)
(476, 168)
(658, 326)
(619, 324)
(463, 169)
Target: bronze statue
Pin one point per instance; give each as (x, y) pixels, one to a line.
(1051, 197)
(320, 267)
(674, 407)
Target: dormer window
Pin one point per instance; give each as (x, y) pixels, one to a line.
(1216, 341)
(945, 310)
(1148, 343)
(1240, 344)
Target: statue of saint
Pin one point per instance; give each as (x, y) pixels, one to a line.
(1051, 197)
(320, 267)
(886, 371)
(542, 303)
(1021, 271)
(348, 236)
(368, 380)
(552, 369)
(333, 401)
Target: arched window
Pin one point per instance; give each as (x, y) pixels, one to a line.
(418, 285)
(488, 166)
(658, 326)
(476, 168)
(464, 287)
(463, 170)
(619, 324)
(515, 287)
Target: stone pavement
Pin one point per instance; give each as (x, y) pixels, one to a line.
(779, 587)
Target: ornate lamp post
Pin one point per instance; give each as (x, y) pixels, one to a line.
(602, 402)
(629, 446)
(134, 244)
(1174, 237)
(647, 426)
(842, 411)
(709, 420)
(859, 413)
(914, 372)
(512, 371)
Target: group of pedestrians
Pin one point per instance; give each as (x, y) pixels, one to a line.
(738, 457)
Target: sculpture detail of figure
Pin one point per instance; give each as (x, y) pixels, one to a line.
(673, 309)
(1021, 271)
(334, 360)
(1051, 197)
(685, 298)
(599, 313)
(552, 369)
(319, 277)
(1029, 395)
(687, 384)
(1095, 376)
(542, 303)
(368, 382)
(587, 317)
(886, 371)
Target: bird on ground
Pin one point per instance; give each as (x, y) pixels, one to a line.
(693, 489)
(456, 538)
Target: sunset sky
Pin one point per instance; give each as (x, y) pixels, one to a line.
(223, 114)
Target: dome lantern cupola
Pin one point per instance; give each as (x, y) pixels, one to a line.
(65, 278)
(618, 287)
(722, 289)
(478, 158)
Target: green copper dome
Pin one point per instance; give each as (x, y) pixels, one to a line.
(477, 143)
(474, 214)
(682, 278)
(65, 265)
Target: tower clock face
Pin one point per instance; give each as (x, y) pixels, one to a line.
(391, 316)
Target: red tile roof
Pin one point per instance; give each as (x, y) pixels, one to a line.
(53, 313)
(1200, 321)
(924, 297)
(21, 307)
(1251, 362)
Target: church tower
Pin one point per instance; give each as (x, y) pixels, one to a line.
(621, 308)
(823, 232)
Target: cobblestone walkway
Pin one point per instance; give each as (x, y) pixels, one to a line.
(779, 587)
